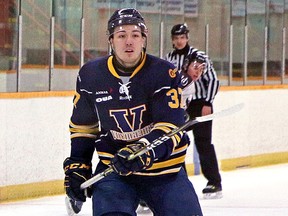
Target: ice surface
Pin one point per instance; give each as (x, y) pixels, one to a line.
(259, 191)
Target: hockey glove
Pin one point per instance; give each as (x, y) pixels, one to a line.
(125, 167)
(76, 172)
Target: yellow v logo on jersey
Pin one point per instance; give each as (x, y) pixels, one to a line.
(129, 123)
(128, 120)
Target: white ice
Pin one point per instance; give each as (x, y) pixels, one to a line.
(259, 191)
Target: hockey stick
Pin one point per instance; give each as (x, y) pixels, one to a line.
(165, 137)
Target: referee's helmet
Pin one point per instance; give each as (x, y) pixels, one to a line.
(179, 29)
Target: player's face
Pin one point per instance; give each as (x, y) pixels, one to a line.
(179, 41)
(195, 70)
(127, 43)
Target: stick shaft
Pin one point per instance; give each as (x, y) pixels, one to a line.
(187, 124)
(165, 137)
(96, 178)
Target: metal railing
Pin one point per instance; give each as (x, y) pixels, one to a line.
(231, 60)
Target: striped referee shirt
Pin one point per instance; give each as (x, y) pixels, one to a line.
(206, 87)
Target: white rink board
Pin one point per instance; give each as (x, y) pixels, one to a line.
(34, 132)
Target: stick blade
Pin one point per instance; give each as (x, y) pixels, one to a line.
(73, 207)
(221, 113)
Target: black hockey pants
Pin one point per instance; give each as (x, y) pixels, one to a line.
(202, 138)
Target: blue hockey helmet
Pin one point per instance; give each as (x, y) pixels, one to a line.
(126, 16)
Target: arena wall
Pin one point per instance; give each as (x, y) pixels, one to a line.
(34, 136)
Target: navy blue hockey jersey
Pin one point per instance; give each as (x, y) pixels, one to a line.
(111, 111)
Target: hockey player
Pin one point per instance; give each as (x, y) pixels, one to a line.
(200, 84)
(124, 101)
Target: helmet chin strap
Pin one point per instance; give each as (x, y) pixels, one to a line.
(144, 46)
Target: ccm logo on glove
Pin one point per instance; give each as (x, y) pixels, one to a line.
(76, 166)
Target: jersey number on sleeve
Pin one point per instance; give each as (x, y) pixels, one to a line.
(175, 95)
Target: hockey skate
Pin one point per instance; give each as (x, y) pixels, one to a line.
(72, 206)
(143, 207)
(212, 192)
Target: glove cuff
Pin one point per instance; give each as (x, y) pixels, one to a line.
(71, 164)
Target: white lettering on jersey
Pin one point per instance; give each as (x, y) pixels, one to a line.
(103, 99)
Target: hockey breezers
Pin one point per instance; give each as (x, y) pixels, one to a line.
(165, 137)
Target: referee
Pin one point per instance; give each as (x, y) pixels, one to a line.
(200, 85)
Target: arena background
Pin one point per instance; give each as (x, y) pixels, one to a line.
(44, 43)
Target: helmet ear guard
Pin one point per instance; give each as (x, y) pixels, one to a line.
(126, 16)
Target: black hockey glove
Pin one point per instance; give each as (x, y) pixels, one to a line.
(76, 172)
(125, 167)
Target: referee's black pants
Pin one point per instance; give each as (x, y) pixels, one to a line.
(202, 138)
